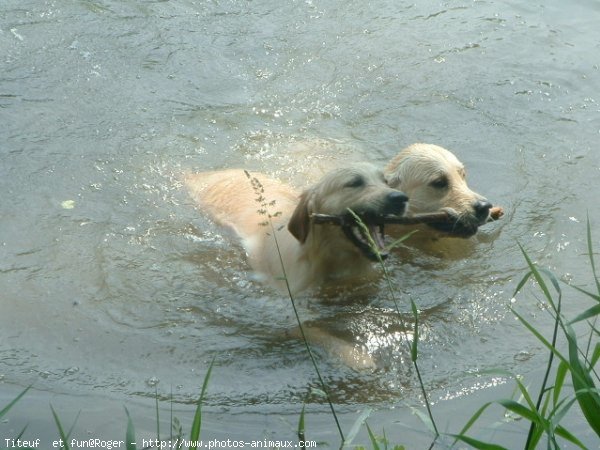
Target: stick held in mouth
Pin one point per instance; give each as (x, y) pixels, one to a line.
(442, 216)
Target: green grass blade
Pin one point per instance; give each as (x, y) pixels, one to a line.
(535, 434)
(551, 277)
(590, 313)
(531, 412)
(301, 425)
(593, 266)
(61, 431)
(591, 254)
(595, 355)
(559, 381)
(374, 442)
(525, 394)
(546, 401)
(358, 423)
(567, 435)
(535, 437)
(157, 413)
(585, 390)
(73, 426)
(536, 274)
(414, 353)
(480, 445)
(522, 283)
(589, 294)
(20, 435)
(522, 411)
(130, 443)
(541, 338)
(13, 402)
(197, 423)
(400, 240)
(426, 419)
(473, 419)
(367, 233)
(561, 409)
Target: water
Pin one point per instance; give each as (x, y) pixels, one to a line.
(114, 286)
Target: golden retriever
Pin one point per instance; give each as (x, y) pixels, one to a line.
(274, 221)
(434, 179)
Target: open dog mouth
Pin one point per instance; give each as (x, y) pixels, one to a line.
(367, 236)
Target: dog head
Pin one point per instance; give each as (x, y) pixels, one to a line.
(434, 179)
(360, 188)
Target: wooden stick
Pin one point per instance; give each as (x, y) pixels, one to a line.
(495, 213)
(438, 217)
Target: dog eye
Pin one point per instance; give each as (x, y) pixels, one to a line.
(355, 182)
(439, 183)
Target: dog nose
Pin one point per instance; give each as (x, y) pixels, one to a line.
(396, 202)
(482, 209)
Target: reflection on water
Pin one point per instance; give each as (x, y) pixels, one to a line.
(110, 277)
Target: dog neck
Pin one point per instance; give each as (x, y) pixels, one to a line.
(326, 262)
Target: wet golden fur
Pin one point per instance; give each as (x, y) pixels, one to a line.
(434, 179)
(311, 254)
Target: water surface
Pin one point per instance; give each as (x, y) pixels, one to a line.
(114, 286)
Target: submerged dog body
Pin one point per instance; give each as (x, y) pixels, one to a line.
(435, 180)
(274, 221)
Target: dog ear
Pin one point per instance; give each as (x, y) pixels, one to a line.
(392, 172)
(299, 224)
(392, 179)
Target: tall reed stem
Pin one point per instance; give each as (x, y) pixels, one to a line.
(392, 293)
(265, 210)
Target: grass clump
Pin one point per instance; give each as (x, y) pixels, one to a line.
(546, 410)
(176, 439)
